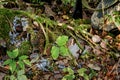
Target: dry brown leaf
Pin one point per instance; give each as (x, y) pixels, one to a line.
(57, 76)
(118, 38)
(94, 66)
(103, 45)
(109, 39)
(97, 52)
(49, 11)
(117, 46)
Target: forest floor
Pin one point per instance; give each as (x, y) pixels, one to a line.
(93, 54)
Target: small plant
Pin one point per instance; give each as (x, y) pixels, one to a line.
(20, 76)
(60, 48)
(114, 17)
(70, 75)
(82, 73)
(16, 65)
(71, 2)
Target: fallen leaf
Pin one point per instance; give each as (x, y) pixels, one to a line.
(103, 45)
(65, 17)
(96, 38)
(36, 24)
(118, 38)
(46, 76)
(117, 45)
(94, 66)
(97, 52)
(74, 49)
(49, 11)
(2, 75)
(109, 39)
(60, 24)
(34, 57)
(58, 76)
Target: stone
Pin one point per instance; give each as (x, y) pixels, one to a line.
(97, 19)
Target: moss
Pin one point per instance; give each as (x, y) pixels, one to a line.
(25, 48)
(6, 18)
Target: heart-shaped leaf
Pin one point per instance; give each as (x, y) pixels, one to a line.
(13, 54)
(55, 52)
(62, 40)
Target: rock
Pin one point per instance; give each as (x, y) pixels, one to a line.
(97, 19)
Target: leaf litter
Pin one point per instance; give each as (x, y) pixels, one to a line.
(103, 58)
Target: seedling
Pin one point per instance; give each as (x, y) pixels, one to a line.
(60, 48)
(17, 64)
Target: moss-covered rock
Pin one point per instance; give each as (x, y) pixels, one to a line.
(98, 19)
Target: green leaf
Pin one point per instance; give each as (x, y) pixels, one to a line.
(64, 51)
(7, 62)
(82, 73)
(23, 57)
(86, 77)
(21, 64)
(13, 54)
(92, 73)
(27, 62)
(10, 54)
(20, 72)
(68, 70)
(62, 40)
(12, 77)
(64, 78)
(69, 77)
(22, 77)
(12, 66)
(55, 52)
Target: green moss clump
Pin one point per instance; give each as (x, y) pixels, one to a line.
(25, 48)
(6, 18)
